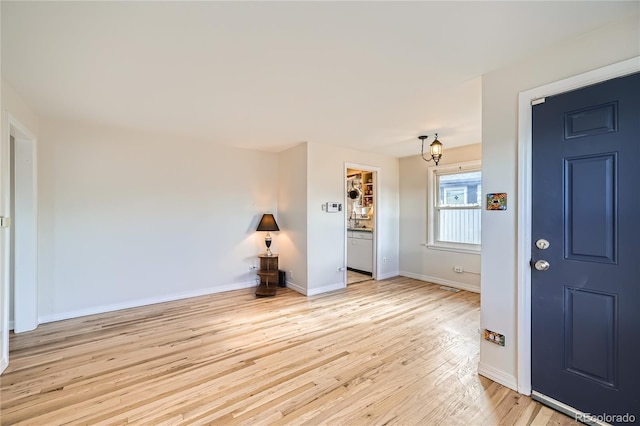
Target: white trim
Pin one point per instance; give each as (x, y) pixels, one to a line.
(525, 98)
(296, 287)
(473, 248)
(315, 291)
(441, 281)
(319, 290)
(326, 289)
(497, 376)
(5, 259)
(144, 302)
(388, 275)
(24, 256)
(5, 237)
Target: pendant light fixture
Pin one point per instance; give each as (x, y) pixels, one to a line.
(435, 149)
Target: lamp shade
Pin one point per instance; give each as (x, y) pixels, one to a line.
(267, 223)
(436, 148)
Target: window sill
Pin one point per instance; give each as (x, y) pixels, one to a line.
(475, 250)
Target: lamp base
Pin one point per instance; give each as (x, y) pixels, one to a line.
(267, 242)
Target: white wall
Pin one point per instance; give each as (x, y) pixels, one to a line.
(327, 231)
(500, 90)
(12, 103)
(292, 215)
(416, 260)
(127, 219)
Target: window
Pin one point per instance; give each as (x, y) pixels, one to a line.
(455, 207)
(453, 194)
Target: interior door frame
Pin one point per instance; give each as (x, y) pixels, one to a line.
(23, 254)
(525, 100)
(376, 213)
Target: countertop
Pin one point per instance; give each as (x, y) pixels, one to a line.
(360, 229)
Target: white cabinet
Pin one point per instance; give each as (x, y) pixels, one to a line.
(360, 250)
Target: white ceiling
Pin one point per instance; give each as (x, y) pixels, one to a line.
(267, 75)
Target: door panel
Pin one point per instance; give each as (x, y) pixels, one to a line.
(590, 228)
(591, 322)
(586, 306)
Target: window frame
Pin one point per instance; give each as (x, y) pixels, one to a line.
(432, 210)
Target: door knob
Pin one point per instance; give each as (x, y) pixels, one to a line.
(541, 265)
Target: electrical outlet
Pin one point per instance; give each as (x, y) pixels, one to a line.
(458, 269)
(493, 337)
(384, 260)
(290, 275)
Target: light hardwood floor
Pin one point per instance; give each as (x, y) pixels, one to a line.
(393, 352)
(356, 277)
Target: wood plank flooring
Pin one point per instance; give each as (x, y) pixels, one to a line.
(356, 277)
(392, 352)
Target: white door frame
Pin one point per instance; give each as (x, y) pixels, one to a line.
(525, 98)
(376, 213)
(24, 254)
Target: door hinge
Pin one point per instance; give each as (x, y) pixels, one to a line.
(5, 222)
(538, 101)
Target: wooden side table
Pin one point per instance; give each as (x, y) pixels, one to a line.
(268, 274)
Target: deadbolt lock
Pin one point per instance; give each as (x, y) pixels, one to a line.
(542, 244)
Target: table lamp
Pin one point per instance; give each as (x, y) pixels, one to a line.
(268, 223)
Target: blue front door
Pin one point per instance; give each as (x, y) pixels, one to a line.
(585, 279)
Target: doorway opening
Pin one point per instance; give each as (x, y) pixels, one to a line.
(361, 184)
(21, 253)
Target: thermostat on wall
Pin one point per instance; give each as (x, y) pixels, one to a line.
(330, 207)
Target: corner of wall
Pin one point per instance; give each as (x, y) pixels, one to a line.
(292, 215)
(498, 376)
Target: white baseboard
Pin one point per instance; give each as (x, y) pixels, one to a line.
(388, 275)
(498, 376)
(143, 302)
(293, 286)
(314, 291)
(4, 363)
(12, 325)
(326, 288)
(441, 281)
